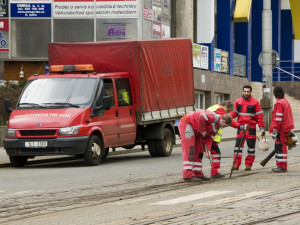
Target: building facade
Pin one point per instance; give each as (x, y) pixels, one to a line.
(226, 49)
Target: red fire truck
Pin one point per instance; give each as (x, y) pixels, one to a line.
(103, 95)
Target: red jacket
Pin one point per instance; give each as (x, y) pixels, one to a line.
(282, 116)
(248, 112)
(203, 121)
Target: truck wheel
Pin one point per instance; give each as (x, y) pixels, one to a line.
(105, 153)
(152, 148)
(18, 161)
(164, 146)
(92, 154)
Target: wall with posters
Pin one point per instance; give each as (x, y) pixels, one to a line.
(81, 21)
(217, 60)
(200, 56)
(204, 57)
(156, 14)
(224, 61)
(36, 23)
(221, 60)
(196, 55)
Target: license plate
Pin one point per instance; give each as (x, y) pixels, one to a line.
(36, 144)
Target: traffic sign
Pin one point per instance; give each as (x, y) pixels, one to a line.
(275, 59)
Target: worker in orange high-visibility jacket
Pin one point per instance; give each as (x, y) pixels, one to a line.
(197, 130)
(281, 125)
(249, 112)
(221, 109)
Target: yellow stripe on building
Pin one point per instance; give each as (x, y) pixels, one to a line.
(242, 10)
(295, 8)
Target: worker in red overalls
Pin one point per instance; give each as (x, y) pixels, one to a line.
(281, 125)
(197, 130)
(221, 109)
(249, 112)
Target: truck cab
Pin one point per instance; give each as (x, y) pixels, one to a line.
(72, 111)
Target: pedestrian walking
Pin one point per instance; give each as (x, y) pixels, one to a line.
(282, 124)
(197, 130)
(249, 112)
(220, 109)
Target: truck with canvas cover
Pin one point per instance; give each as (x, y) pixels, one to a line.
(103, 95)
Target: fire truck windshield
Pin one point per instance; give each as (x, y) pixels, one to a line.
(58, 92)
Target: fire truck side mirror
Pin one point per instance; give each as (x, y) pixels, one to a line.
(105, 104)
(7, 106)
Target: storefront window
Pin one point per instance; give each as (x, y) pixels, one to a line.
(199, 100)
(73, 30)
(30, 38)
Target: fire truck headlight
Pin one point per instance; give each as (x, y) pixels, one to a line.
(11, 132)
(69, 130)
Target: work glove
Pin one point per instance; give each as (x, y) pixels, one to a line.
(244, 127)
(274, 134)
(262, 132)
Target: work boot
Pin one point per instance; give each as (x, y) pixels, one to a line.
(248, 168)
(217, 176)
(192, 179)
(278, 170)
(204, 178)
(235, 168)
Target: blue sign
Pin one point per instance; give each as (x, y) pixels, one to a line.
(30, 9)
(3, 43)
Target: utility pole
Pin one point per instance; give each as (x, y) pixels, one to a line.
(267, 69)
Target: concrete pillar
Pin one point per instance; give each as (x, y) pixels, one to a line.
(184, 19)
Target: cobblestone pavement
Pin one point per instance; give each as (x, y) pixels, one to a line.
(255, 197)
